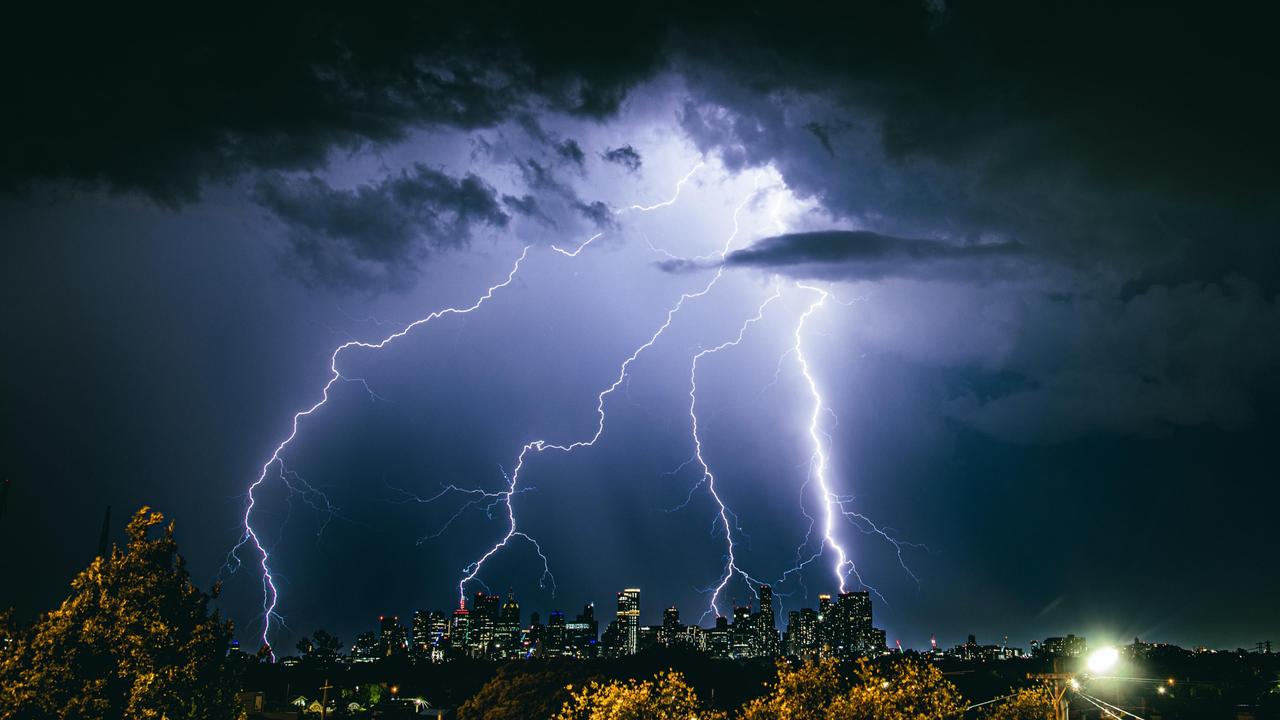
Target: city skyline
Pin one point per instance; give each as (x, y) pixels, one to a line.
(796, 628)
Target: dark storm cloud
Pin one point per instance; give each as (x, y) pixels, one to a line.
(1101, 135)
(1190, 355)
(863, 255)
(542, 179)
(164, 99)
(824, 136)
(1132, 145)
(374, 236)
(565, 149)
(527, 206)
(626, 156)
(1009, 103)
(1130, 151)
(570, 150)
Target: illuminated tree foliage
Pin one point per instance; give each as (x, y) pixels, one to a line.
(799, 693)
(514, 693)
(135, 640)
(1033, 703)
(903, 690)
(666, 697)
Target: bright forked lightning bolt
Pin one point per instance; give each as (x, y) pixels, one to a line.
(638, 208)
(270, 593)
(574, 252)
(674, 197)
(833, 504)
(708, 477)
(299, 487)
(830, 502)
(470, 572)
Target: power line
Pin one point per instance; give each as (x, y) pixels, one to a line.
(988, 702)
(1113, 708)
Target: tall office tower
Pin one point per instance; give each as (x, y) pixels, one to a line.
(584, 633)
(556, 638)
(766, 604)
(803, 633)
(365, 649)
(460, 633)
(742, 633)
(438, 630)
(507, 632)
(825, 624)
(536, 634)
(391, 636)
(484, 619)
(422, 641)
(671, 627)
(613, 644)
(719, 642)
(511, 609)
(766, 624)
(851, 631)
(855, 613)
(877, 642)
(1069, 646)
(629, 619)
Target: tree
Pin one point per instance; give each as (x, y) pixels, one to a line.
(134, 640)
(666, 697)
(321, 648)
(902, 690)
(798, 693)
(909, 690)
(1033, 703)
(519, 692)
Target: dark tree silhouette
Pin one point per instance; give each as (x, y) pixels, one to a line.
(320, 649)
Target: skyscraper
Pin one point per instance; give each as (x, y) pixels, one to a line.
(421, 644)
(766, 627)
(392, 639)
(851, 631)
(719, 643)
(824, 624)
(584, 633)
(460, 633)
(555, 642)
(803, 633)
(741, 633)
(671, 627)
(484, 621)
(430, 635)
(365, 649)
(507, 632)
(629, 619)
(766, 605)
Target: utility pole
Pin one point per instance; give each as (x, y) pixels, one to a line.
(324, 699)
(1059, 681)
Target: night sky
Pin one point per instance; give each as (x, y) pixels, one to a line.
(1049, 358)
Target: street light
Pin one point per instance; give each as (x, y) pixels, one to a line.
(1102, 660)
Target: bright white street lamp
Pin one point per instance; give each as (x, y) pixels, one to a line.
(1102, 660)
